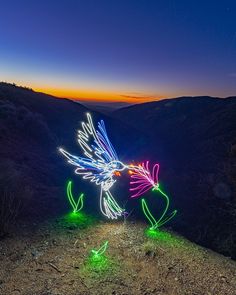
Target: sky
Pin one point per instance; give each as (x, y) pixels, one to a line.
(120, 50)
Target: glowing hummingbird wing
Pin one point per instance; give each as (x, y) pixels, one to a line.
(94, 170)
(95, 143)
(99, 153)
(105, 144)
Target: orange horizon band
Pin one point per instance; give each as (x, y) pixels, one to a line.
(94, 96)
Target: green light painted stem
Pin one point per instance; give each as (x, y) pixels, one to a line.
(148, 214)
(77, 206)
(167, 204)
(101, 250)
(163, 219)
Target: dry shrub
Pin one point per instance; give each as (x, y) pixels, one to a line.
(14, 193)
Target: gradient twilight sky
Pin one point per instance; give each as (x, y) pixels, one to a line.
(120, 50)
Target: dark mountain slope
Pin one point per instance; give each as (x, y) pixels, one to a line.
(32, 172)
(185, 123)
(198, 136)
(193, 139)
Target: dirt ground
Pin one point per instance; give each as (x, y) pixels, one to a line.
(55, 259)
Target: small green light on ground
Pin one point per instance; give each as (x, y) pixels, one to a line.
(164, 237)
(77, 220)
(98, 263)
(101, 250)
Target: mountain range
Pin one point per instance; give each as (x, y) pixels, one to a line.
(193, 139)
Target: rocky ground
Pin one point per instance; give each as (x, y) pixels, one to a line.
(55, 258)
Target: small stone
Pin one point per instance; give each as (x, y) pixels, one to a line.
(76, 265)
(54, 242)
(223, 279)
(36, 254)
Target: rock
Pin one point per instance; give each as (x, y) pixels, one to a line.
(76, 265)
(36, 254)
(54, 242)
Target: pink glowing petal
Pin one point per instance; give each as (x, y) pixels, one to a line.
(142, 185)
(143, 179)
(138, 181)
(155, 172)
(141, 192)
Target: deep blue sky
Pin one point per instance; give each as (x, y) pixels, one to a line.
(120, 49)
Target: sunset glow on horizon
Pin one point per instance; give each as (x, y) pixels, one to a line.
(90, 94)
(99, 96)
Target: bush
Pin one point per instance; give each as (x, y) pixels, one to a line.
(14, 193)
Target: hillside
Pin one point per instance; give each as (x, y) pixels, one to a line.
(193, 139)
(197, 136)
(32, 172)
(56, 259)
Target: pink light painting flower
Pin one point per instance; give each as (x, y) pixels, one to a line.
(143, 179)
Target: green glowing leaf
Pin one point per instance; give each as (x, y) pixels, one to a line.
(101, 250)
(167, 218)
(77, 206)
(163, 218)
